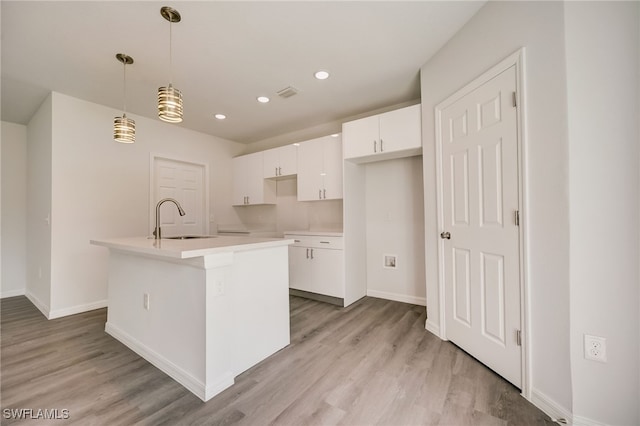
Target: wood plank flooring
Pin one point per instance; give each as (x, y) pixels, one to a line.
(372, 363)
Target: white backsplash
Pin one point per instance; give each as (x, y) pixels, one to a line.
(289, 214)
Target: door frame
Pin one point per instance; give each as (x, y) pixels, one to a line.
(516, 59)
(206, 194)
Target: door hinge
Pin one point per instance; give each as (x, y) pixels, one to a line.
(516, 216)
(515, 99)
(519, 337)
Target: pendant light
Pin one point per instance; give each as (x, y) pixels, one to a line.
(170, 98)
(124, 128)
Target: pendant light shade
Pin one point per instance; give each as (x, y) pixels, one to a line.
(124, 128)
(170, 98)
(170, 104)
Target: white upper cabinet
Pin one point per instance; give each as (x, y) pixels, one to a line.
(393, 134)
(320, 169)
(282, 161)
(249, 185)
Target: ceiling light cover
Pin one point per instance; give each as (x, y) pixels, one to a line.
(220, 116)
(124, 128)
(170, 105)
(322, 75)
(262, 99)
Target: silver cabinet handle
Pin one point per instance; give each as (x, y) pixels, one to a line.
(307, 253)
(276, 172)
(375, 144)
(280, 171)
(319, 194)
(311, 253)
(324, 194)
(445, 235)
(381, 149)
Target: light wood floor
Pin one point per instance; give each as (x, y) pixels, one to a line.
(369, 364)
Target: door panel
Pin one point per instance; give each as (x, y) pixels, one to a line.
(184, 182)
(479, 157)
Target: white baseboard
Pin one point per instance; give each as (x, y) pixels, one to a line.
(38, 304)
(432, 327)
(78, 309)
(551, 408)
(12, 293)
(422, 301)
(584, 421)
(175, 372)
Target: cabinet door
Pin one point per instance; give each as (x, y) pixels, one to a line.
(271, 162)
(310, 165)
(240, 170)
(361, 137)
(401, 129)
(328, 272)
(255, 185)
(300, 275)
(332, 169)
(282, 161)
(288, 160)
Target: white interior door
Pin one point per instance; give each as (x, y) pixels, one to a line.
(479, 166)
(186, 183)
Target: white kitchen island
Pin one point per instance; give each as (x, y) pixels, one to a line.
(201, 310)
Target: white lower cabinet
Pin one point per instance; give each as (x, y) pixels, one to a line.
(316, 265)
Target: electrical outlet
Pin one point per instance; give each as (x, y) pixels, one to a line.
(145, 302)
(218, 288)
(595, 348)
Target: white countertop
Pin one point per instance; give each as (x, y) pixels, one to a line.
(186, 249)
(326, 233)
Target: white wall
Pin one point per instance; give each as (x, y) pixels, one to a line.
(14, 209)
(499, 29)
(100, 188)
(39, 207)
(602, 45)
(395, 225)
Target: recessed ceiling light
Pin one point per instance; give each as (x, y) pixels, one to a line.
(335, 135)
(321, 75)
(262, 99)
(220, 116)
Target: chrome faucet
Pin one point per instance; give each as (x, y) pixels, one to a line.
(157, 233)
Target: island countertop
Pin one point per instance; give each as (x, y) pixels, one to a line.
(189, 248)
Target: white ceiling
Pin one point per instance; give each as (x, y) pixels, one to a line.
(225, 54)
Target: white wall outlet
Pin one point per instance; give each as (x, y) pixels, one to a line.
(219, 288)
(595, 348)
(145, 301)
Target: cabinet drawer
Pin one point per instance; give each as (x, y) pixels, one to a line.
(316, 241)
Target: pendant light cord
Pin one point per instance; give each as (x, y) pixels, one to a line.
(124, 86)
(170, 52)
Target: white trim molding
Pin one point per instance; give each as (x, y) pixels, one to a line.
(13, 293)
(193, 384)
(78, 309)
(38, 304)
(558, 413)
(405, 298)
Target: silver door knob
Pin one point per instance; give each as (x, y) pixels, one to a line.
(445, 235)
